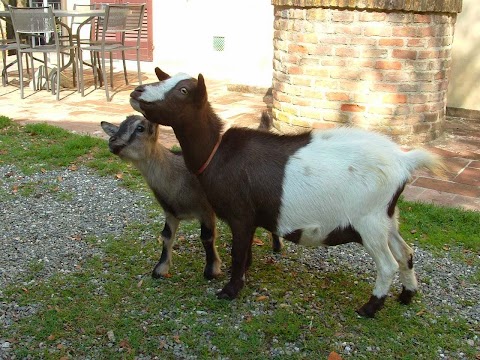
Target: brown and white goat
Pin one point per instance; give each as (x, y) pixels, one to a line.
(175, 188)
(318, 188)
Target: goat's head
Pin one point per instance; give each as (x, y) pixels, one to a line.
(171, 100)
(134, 139)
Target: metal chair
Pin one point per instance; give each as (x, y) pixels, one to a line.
(121, 21)
(6, 45)
(31, 22)
(87, 36)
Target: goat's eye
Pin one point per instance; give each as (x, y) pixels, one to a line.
(184, 91)
(140, 128)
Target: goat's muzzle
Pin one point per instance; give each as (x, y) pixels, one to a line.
(113, 147)
(135, 96)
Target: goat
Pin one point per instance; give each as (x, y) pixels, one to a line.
(175, 188)
(177, 191)
(324, 188)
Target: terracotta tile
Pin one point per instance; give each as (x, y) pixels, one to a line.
(466, 202)
(469, 176)
(448, 186)
(411, 192)
(441, 152)
(436, 197)
(420, 194)
(474, 164)
(448, 200)
(445, 199)
(470, 154)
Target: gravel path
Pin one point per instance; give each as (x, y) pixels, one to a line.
(46, 232)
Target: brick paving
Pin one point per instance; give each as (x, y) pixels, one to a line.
(460, 145)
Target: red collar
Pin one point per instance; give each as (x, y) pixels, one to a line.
(212, 154)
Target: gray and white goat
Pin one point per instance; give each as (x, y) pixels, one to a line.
(175, 188)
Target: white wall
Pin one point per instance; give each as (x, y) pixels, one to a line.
(464, 84)
(183, 33)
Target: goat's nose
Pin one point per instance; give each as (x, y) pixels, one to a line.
(135, 94)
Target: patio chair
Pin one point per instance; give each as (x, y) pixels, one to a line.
(31, 22)
(7, 45)
(88, 34)
(121, 22)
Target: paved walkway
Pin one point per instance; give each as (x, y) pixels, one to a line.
(460, 145)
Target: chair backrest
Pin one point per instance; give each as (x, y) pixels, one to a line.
(78, 20)
(34, 21)
(123, 17)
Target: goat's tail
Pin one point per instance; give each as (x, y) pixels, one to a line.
(420, 158)
(266, 122)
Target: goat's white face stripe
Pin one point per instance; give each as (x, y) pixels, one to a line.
(157, 91)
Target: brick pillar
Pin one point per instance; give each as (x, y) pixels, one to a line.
(381, 65)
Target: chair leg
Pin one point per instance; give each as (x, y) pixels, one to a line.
(80, 73)
(34, 81)
(28, 66)
(45, 63)
(58, 77)
(138, 67)
(124, 67)
(104, 72)
(98, 63)
(97, 71)
(20, 75)
(111, 69)
(4, 70)
(77, 51)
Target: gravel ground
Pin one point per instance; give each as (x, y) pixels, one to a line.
(43, 234)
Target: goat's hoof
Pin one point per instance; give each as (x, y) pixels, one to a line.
(210, 275)
(212, 271)
(222, 295)
(406, 296)
(371, 307)
(158, 275)
(229, 291)
(277, 249)
(365, 313)
(277, 244)
(207, 275)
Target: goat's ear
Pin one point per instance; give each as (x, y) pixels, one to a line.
(110, 129)
(201, 96)
(161, 75)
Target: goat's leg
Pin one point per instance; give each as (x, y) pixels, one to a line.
(375, 240)
(213, 262)
(277, 244)
(168, 236)
(241, 247)
(404, 256)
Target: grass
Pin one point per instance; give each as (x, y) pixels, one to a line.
(111, 308)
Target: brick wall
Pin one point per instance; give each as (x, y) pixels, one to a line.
(386, 71)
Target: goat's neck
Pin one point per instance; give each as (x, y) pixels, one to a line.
(198, 138)
(155, 165)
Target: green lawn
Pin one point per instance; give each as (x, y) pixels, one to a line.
(111, 308)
